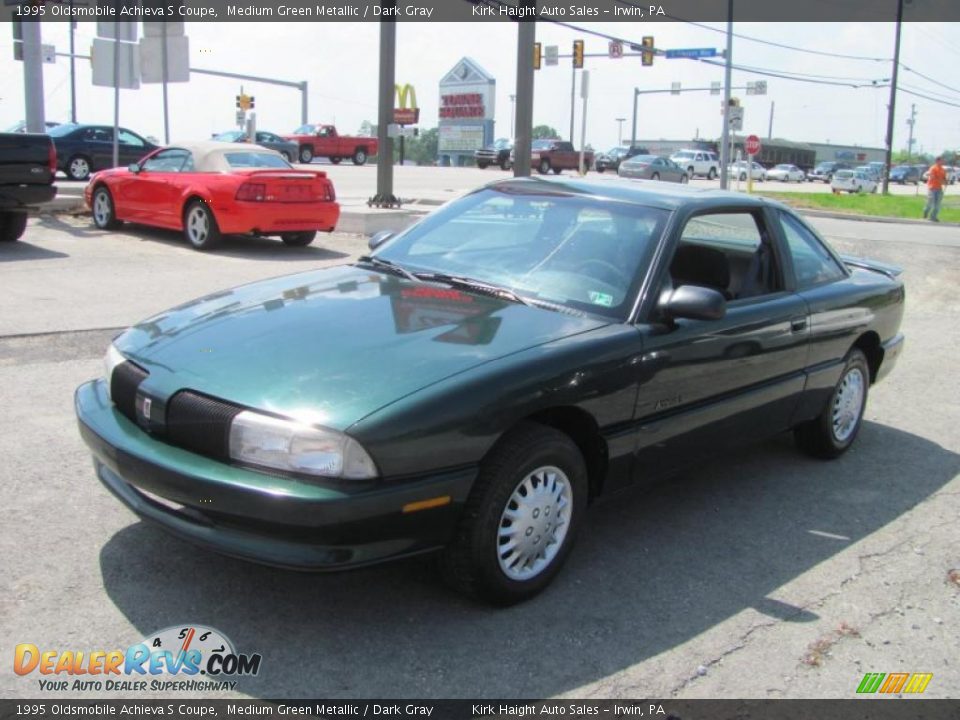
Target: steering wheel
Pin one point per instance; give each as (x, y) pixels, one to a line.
(608, 272)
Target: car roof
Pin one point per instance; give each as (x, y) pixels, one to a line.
(650, 193)
(209, 155)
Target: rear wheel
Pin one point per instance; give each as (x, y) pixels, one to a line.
(601, 168)
(743, 176)
(505, 164)
(831, 433)
(690, 171)
(12, 226)
(544, 167)
(299, 239)
(306, 154)
(557, 171)
(78, 168)
(359, 156)
(104, 213)
(200, 226)
(521, 518)
(684, 179)
(712, 174)
(655, 176)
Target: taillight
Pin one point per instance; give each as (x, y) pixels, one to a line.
(52, 158)
(331, 193)
(252, 192)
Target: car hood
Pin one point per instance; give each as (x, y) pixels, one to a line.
(333, 345)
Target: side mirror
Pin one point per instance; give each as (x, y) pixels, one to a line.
(693, 302)
(134, 168)
(378, 239)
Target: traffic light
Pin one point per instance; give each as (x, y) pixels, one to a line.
(244, 102)
(578, 53)
(252, 102)
(734, 102)
(647, 57)
(536, 56)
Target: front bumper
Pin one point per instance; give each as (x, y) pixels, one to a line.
(259, 517)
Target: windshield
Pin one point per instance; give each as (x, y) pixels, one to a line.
(502, 144)
(683, 155)
(557, 248)
(304, 130)
(229, 136)
(542, 144)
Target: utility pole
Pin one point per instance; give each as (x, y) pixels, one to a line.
(573, 98)
(526, 37)
(891, 108)
(513, 101)
(633, 133)
(388, 49)
(33, 77)
(770, 127)
(911, 121)
(727, 75)
(73, 69)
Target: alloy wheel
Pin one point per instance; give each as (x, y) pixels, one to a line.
(848, 404)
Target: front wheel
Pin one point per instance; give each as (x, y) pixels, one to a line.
(712, 174)
(655, 176)
(104, 212)
(544, 167)
(521, 519)
(743, 176)
(359, 156)
(12, 226)
(306, 155)
(483, 165)
(78, 168)
(505, 164)
(200, 226)
(684, 179)
(831, 433)
(299, 239)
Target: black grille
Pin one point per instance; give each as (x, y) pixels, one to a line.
(124, 382)
(200, 424)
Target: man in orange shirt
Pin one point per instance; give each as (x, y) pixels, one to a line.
(936, 179)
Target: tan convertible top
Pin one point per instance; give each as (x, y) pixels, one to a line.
(208, 155)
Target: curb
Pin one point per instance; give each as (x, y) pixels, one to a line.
(871, 218)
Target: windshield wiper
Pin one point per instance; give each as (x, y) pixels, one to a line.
(389, 266)
(476, 285)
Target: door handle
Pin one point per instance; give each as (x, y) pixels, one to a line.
(798, 324)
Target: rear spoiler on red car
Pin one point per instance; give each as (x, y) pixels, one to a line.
(891, 271)
(292, 171)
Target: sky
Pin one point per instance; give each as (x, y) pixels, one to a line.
(340, 62)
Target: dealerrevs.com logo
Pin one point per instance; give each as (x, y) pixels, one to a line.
(184, 657)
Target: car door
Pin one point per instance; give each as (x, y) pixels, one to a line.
(151, 196)
(704, 385)
(98, 143)
(132, 147)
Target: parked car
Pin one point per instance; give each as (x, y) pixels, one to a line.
(701, 163)
(870, 172)
(738, 170)
(28, 164)
(210, 189)
(880, 168)
(653, 167)
(786, 173)
(547, 342)
(316, 140)
(496, 154)
(288, 150)
(85, 149)
(853, 181)
(824, 170)
(556, 155)
(904, 174)
(611, 159)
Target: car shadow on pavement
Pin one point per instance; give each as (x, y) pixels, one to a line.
(23, 250)
(654, 568)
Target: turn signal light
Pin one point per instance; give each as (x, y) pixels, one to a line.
(252, 192)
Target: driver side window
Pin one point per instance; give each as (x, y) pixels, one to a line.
(173, 160)
(812, 262)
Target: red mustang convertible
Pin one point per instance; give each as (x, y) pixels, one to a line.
(210, 189)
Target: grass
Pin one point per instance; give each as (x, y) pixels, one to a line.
(898, 206)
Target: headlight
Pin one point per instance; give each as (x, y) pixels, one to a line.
(110, 362)
(287, 445)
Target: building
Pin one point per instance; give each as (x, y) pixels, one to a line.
(467, 95)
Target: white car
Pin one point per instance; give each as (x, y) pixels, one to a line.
(852, 181)
(738, 171)
(701, 163)
(786, 173)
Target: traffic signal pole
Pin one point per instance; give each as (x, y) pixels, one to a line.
(33, 77)
(526, 36)
(727, 75)
(388, 50)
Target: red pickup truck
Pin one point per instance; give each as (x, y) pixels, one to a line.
(557, 155)
(323, 141)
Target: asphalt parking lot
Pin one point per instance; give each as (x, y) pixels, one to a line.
(763, 574)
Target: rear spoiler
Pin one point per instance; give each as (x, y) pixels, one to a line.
(291, 171)
(891, 271)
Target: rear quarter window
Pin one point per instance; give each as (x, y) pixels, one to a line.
(242, 159)
(813, 264)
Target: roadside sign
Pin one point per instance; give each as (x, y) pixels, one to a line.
(117, 30)
(177, 56)
(615, 49)
(735, 117)
(155, 29)
(406, 116)
(552, 55)
(128, 63)
(241, 117)
(715, 87)
(674, 88)
(691, 53)
(752, 145)
(49, 53)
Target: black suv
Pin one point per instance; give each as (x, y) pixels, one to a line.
(496, 154)
(611, 159)
(825, 170)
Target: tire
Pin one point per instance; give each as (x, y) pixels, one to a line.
(306, 154)
(684, 180)
(600, 169)
(743, 176)
(335, 160)
(544, 167)
(12, 226)
(359, 156)
(299, 239)
(483, 165)
(104, 212)
(557, 171)
(78, 167)
(655, 176)
(712, 174)
(200, 226)
(690, 171)
(821, 436)
(530, 465)
(505, 164)
(285, 155)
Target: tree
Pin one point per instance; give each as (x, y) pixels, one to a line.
(421, 149)
(367, 129)
(544, 132)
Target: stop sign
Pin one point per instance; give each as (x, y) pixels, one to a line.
(752, 146)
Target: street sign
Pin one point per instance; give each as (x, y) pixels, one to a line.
(757, 87)
(49, 53)
(735, 118)
(691, 53)
(752, 145)
(128, 63)
(715, 87)
(585, 84)
(551, 55)
(177, 56)
(117, 30)
(155, 29)
(615, 49)
(674, 88)
(241, 118)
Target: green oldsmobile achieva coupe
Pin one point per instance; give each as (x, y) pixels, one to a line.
(477, 381)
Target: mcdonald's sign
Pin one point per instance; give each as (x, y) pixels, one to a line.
(402, 113)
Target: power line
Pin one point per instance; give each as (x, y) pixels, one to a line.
(929, 79)
(927, 97)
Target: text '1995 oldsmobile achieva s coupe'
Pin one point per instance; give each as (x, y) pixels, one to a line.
(475, 382)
